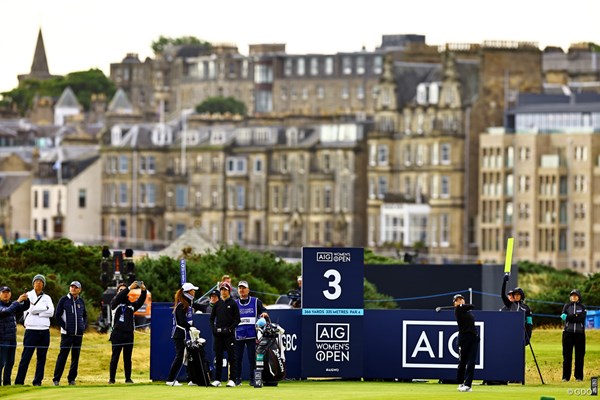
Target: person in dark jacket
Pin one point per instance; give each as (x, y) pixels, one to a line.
(224, 318)
(123, 327)
(251, 308)
(183, 311)
(468, 342)
(8, 331)
(72, 318)
(574, 316)
(517, 303)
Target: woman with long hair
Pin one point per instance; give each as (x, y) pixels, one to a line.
(183, 306)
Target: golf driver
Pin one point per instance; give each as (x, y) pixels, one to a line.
(438, 309)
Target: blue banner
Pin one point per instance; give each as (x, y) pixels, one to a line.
(183, 271)
(401, 344)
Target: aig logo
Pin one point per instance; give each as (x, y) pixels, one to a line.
(433, 344)
(328, 256)
(333, 333)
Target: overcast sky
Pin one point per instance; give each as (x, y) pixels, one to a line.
(80, 35)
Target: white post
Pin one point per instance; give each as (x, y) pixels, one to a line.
(470, 295)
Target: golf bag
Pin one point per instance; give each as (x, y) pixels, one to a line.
(270, 357)
(197, 364)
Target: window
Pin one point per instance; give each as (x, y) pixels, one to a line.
(287, 67)
(377, 65)
(123, 228)
(314, 66)
(122, 194)
(329, 66)
(346, 65)
(445, 154)
(444, 230)
(123, 164)
(263, 73)
(445, 187)
(300, 67)
(328, 198)
(320, 92)
(35, 199)
(382, 154)
(264, 101)
(236, 165)
(241, 196)
(345, 92)
(258, 165)
(82, 198)
(360, 92)
(383, 186)
(181, 194)
(179, 230)
(46, 199)
(360, 65)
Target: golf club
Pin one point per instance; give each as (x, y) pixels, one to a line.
(438, 309)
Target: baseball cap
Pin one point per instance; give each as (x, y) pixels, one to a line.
(188, 286)
(76, 283)
(244, 284)
(5, 289)
(225, 285)
(457, 296)
(215, 292)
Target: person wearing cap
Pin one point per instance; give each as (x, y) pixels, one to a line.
(574, 316)
(510, 297)
(517, 303)
(37, 331)
(123, 326)
(234, 292)
(224, 318)
(468, 342)
(183, 311)
(72, 318)
(8, 331)
(251, 308)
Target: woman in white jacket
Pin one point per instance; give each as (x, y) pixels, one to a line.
(37, 331)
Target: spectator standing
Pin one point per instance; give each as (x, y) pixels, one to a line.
(234, 292)
(574, 316)
(123, 328)
(37, 331)
(468, 343)
(72, 319)
(245, 333)
(224, 318)
(8, 331)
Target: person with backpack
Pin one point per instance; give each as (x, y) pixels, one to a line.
(8, 331)
(37, 331)
(123, 328)
(72, 319)
(574, 316)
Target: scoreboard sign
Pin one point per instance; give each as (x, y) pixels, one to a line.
(332, 309)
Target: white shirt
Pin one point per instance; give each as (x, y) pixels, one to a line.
(37, 317)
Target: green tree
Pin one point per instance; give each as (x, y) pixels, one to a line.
(159, 45)
(221, 105)
(83, 84)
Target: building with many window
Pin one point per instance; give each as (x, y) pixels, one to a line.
(540, 180)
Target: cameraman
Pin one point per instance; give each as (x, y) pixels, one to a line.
(123, 327)
(224, 318)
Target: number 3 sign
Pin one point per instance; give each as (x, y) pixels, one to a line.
(332, 278)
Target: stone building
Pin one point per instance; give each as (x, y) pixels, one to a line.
(540, 180)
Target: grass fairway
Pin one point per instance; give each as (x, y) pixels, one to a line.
(93, 375)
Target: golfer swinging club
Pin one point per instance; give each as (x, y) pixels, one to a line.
(468, 343)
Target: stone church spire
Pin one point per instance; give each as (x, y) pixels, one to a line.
(39, 66)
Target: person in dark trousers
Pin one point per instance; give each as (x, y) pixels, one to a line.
(517, 303)
(245, 334)
(574, 316)
(183, 310)
(72, 319)
(8, 331)
(224, 318)
(468, 343)
(123, 328)
(37, 331)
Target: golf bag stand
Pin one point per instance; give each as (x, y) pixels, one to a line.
(270, 357)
